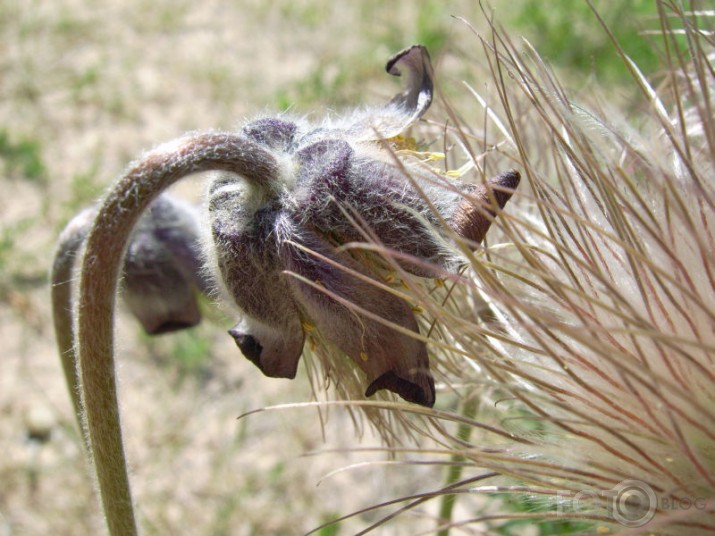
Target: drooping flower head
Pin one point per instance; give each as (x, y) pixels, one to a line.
(162, 273)
(277, 242)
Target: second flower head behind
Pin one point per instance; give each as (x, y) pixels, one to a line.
(275, 243)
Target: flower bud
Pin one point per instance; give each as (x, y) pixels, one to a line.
(162, 268)
(162, 265)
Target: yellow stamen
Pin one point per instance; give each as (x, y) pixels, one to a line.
(451, 173)
(424, 156)
(402, 143)
(427, 156)
(363, 356)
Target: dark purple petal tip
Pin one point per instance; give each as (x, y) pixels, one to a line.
(419, 389)
(276, 354)
(504, 185)
(188, 318)
(475, 214)
(248, 345)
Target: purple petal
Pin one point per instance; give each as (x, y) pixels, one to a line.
(380, 195)
(390, 359)
(404, 108)
(273, 347)
(272, 132)
(327, 161)
(271, 334)
(417, 96)
(476, 212)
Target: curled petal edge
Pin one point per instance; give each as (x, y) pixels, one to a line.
(274, 350)
(416, 65)
(407, 106)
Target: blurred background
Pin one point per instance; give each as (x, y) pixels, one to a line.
(85, 86)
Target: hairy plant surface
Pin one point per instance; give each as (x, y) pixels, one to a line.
(572, 355)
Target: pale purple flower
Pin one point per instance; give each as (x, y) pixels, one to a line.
(271, 239)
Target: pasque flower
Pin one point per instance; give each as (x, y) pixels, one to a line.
(276, 242)
(291, 193)
(288, 198)
(162, 271)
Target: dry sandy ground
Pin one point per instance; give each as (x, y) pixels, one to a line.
(89, 84)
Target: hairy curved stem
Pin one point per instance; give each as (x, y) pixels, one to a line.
(62, 273)
(101, 265)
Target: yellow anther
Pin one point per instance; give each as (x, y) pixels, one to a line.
(424, 156)
(417, 309)
(452, 173)
(390, 278)
(402, 143)
(439, 283)
(431, 157)
(307, 326)
(363, 356)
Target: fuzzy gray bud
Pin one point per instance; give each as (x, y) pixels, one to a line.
(162, 265)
